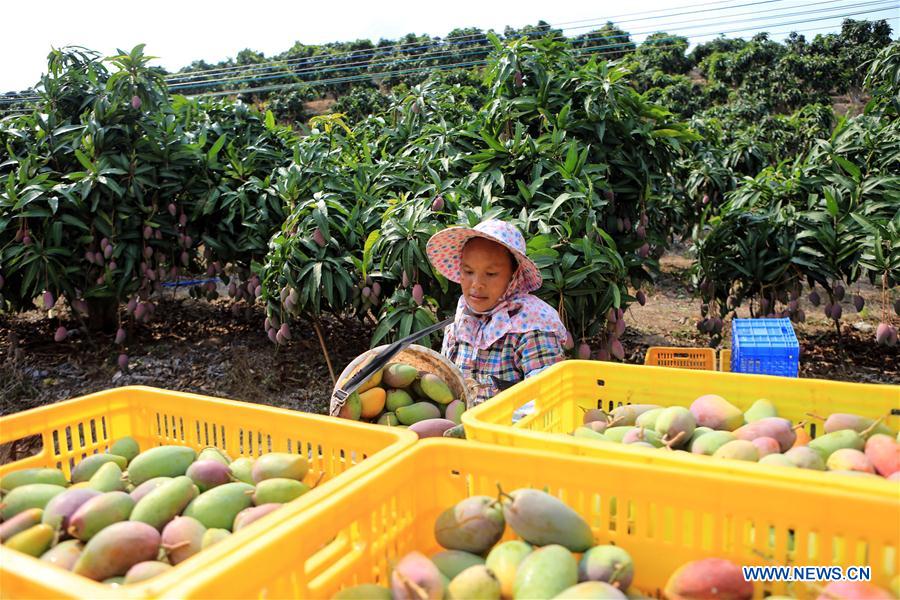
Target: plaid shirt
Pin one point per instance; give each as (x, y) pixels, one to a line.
(511, 358)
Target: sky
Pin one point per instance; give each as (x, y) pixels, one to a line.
(181, 32)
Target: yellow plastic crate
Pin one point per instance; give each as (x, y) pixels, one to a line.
(725, 360)
(662, 516)
(338, 451)
(703, 359)
(561, 394)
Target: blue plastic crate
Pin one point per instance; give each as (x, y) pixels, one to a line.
(764, 346)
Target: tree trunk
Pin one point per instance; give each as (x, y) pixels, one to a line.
(102, 314)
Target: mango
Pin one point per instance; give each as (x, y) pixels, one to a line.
(858, 590)
(648, 419)
(432, 427)
(640, 434)
(504, 560)
(146, 570)
(615, 434)
(30, 495)
(716, 413)
(454, 411)
(590, 590)
(805, 457)
(590, 434)
(675, 425)
(389, 419)
(399, 375)
(760, 409)
(108, 478)
(545, 573)
(114, 581)
(89, 465)
(827, 444)
(779, 460)
(373, 381)
(698, 432)
(15, 479)
(213, 536)
(242, 469)
(803, 437)
(541, 519)
(207, 474)
(884, 453)
(472, 525)
(162, 461)
(367, 591)
(213, 453)
(709, 443)
(397, 398)
(218, 507)
(457, 432)
(738, 450)
(436, 389)
(595, 415)
(24, 520)
(839, 421)
(848, 459)
(126, 447)
(65, 554)
(148, 486)
(708, 578)
(609, 564)
(475, 583)
(34, 541)
(254, 513)
(628, 413)
(372, 402)
(116, 549)
(282, 465)
(352, 408)
(415, 577)
(59, 510)
(774, 427)
(182, 538)
(420, 411)
(279, 490)
(165, 502)
(598, 426)
(453, 562)
(98, 513)
(766, 446)
(415, 390)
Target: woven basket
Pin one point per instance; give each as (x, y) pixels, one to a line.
(424, 359)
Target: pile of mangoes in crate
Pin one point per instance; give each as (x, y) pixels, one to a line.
(555, 557)
(712, 426)
(128, 515)
(402, 396)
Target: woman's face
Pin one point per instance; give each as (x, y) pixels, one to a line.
(487, 268)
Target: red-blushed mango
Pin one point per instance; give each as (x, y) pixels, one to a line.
(717, 413)
(89, 465)
(182, 538)
(352, 408)
(738, 450)
(99, 513)
(472, 525)
(254, 513)
(590, 590)
(61, 508)
(708, 578)
(475, 582)
(594, 414)
(116, 549)
(146, 570)
(805, 457)
(19, 523)
(840, 421)
(848, 459)
(372, 402)
(162, 461)
(31, 495)
(208, 473)
(281, 465)
(858, 590)
(541, 519)
(431, 427)
(504, 560)
(545, 573)
(65, 554)
(778, 460)
(454, 411)
(641, 434)
(213, 453)
(766, 446)
(453, 562)
(398, 375)
(884, 453)
(15, 479)
(774, 427)
(415, 577)
(34, 541)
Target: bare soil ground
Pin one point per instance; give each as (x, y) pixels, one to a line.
(206, 348)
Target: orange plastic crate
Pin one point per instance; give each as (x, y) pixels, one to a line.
(725, 360)
(663, 517)
(337, 449)
(681, 358)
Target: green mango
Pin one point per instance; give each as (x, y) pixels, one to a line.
(108, 478)
(146, 570)
(805, 457)
(127, 447)
(546, 572)
(709, 443)
(761, 409)
(826, 444)
(242, 469)
(26, 519)
(615, 434)
(648, 419)
(218, 507)
(165, 502)
(280, 465)
(398, 375)
(589, 434)
(698, 432)
(278, 491)
(475, 582)
(15, 479)
(213, 536)
(34, 541)
(396, 399)
(541, 519)
(367, 591)
(779, 460)
(162, 461)
(453, 562)
(473, 525)
(676, 423)
(504, 560)
(99, 513)
(84, 470)
(436, 389)
(30, 495)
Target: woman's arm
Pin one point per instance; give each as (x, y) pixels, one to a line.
(538, 350)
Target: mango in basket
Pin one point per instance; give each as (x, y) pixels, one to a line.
(372, 401)
(399, 375)
(709, 578)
